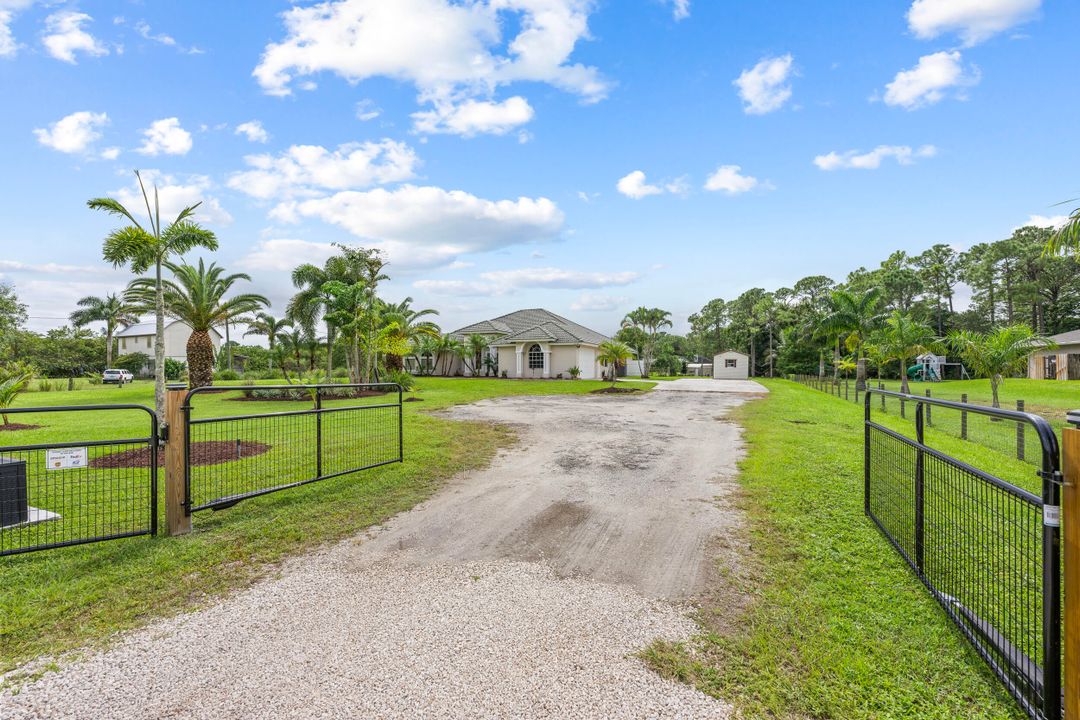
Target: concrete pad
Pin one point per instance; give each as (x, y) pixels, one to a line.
(709, 385)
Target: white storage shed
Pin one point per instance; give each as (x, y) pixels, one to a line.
(731, 365)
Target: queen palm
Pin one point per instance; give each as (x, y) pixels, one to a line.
(268, 326)
(903, 338)
(851, 319)
(997, 353)
(112, 310)
(650, 321)
(142, 248)
(409, 326)
(196, 296)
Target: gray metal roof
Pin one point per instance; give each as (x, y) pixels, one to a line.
(146, 328)
(535, 324)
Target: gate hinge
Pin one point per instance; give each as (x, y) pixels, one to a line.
(1055, 477)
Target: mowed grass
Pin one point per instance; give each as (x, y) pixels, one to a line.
(59, 600)
(836, 626)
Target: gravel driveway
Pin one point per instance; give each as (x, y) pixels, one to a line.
(523, 590)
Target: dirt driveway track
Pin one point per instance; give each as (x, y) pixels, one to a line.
(522, 590)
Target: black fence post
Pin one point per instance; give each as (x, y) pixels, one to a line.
(881, 386)
(920, 495)
(963, 418)
(318, 432)
(400, 424)
(1020, 432)
(866, 454)
(1051, 575)
(929, 416)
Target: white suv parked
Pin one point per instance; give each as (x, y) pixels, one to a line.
(116, 376)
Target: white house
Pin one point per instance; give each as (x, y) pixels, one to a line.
(1061, 363)
(140, 338)
(533, 343)
(731, 365)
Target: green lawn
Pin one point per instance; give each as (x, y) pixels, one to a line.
(836, 626)
(1050, 398)
(58, 600)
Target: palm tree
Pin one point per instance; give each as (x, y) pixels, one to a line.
(613, 354)
(852, 318)
(474, 350)
(12, 382)
(998, 353)
(410, 326)
(904, 338)
(111, 310)
(314, 298)
(447, 347)
(1067, 237)
(196, 296)
(267, 325)
(143, 248)
(422, 347)
(649, 320)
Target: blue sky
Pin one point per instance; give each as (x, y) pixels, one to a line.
(587, 157)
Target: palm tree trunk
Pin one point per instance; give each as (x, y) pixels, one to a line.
(200, 357)
(109, 345)
(903, 376)
(329, 351)
(994, 380)
(159, 345)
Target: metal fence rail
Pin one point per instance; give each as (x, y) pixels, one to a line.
(986, 549)
(57, 494)
(1009, 438)
(228, 459)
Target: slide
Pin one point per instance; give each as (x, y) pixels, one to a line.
(913, 371)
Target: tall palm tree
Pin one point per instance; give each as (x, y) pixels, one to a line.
(426, 346)
(314, 298)
(143, 248)
(851, 319)
(903, 338)
(268, 326)
(447, 347)
(475, 348)
(613, 354)
(196, 296)
(650, 321)
(998, 353)
(111, 310)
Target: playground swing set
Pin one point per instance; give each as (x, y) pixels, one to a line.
(935, 368)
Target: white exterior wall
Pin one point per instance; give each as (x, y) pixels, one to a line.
(176, 337)
(563, 357)
(514, 359)
(741, 371)
(586, 360)
(506, 361)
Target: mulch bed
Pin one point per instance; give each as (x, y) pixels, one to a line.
(307, 398)
(413, 400)
(208, 452)
(17, 426)
(614, 391)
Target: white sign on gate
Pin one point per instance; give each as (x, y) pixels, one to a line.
(65, 458)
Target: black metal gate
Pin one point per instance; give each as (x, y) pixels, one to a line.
(987, 550)
(56, 494)
(348, 428)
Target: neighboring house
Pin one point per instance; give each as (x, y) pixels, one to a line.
(531, 344)
(140, 338)
(731, 365)
(1061, 363)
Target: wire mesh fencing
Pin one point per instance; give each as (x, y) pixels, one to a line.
(1014, 439)
(100, 486)
(984, 547)
(346, 429)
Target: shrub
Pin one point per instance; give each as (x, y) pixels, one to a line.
(402, 378)
(174, 369)
(575, 372)
(135, 363)
(504, 374)
(227, 375)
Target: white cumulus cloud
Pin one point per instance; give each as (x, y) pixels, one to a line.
(253, 130)
(284, 254)
(472, 117)
(451, 52)
(680, 9)
(9, 47)
(73, 133)
(729, 179)
(309, 169)
(175, 194)
(1045, 221)
(929, 81)
(598, 302)
(504, 282)
(64, 36)
(853, 159)
(423, 225)
(165, 136)
(973, 20)
(634, 185)
(765, 87)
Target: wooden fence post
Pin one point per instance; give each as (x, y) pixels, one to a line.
(177, 519)
(1070, 512)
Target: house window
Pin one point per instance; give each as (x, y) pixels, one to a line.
(730, 362)
(536, 358)
(147, 341)
(123, 343)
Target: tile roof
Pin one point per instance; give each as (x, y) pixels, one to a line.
(533, 324)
